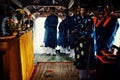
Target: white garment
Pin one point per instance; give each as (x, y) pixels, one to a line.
(48, 50)
(117, 37)
(64, 50)
(53, 52)
(61, 49)
(72, 53)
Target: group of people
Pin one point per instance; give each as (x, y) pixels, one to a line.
(64, 37)
(84, 33)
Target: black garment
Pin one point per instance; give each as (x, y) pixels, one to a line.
(84, 52)
(105, 34)
(117, 69)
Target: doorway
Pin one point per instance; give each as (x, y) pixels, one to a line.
(39, 35)
(39, 51)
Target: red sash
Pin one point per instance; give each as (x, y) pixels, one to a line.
(107, 20)
(97, 23)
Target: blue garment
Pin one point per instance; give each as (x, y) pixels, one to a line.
(107, 33)
(65, 26)
(84, 45)
(74, 21)
(61, 34)
(50, 38)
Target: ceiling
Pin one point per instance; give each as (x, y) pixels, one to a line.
(43, 6)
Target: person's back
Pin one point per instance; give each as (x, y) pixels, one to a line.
(50, 38)
(51, 21)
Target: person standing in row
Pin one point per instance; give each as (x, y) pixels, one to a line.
(62, 35)
(50, 38)
(109, 26)
(84, 55)
(64, 32)
(75, 17)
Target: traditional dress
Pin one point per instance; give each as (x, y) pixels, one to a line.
(74, 21)
(106, 32)
(63, 39)
(50, 38)
(84, 54)
(63, 34)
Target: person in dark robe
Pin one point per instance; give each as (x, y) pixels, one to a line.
(98, 20)
(108, 28)
(84, 55)
(64, 30)
(50, 38)
(75, 17)
(61, 34)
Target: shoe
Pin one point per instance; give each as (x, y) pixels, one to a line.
(53, 51)
(47, 50)
(67, 51)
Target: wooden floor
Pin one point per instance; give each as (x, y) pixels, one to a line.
(59, 57)
(55, 71)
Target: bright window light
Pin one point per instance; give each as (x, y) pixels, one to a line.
(39, 34)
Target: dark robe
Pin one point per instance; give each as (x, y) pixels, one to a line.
(106, 33)
(50, 38)
(84, 54)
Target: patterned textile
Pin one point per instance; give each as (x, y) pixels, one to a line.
(84, 52)
(55, 71)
